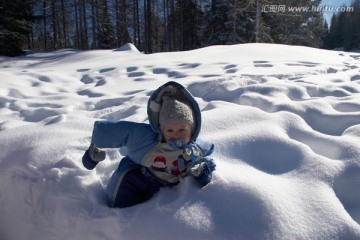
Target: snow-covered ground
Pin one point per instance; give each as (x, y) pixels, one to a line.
(285, 121)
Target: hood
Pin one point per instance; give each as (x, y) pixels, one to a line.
(176, 91)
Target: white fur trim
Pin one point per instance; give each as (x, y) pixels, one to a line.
(154, 106)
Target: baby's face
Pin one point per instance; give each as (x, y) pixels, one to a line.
(177, 131)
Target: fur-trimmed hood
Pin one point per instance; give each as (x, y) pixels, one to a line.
(178, 92)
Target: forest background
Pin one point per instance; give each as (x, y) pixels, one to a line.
(173, 25)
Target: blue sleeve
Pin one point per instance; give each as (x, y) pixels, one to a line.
(207, 151)
(122, 134)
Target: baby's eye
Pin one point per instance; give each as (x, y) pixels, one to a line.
(169, 131)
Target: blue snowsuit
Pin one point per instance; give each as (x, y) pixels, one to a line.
(138, 176)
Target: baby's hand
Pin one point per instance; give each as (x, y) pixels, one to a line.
(202, 173)
(96, 154)
(93, 156)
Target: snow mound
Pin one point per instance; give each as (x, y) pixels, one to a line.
(128, 47)
(285, 121)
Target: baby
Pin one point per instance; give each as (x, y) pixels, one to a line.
(158, 153)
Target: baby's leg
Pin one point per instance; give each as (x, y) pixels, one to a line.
(134, 188)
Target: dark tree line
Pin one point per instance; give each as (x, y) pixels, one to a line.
(344, 29)
(15, 23)
(165, 25)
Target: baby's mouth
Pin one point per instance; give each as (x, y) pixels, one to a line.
(177, 142)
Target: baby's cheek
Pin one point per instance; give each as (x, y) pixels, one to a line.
(187, 139)
(168, 137)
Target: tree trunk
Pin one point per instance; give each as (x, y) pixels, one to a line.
(44, 25)
(93, 23)
(258, 20)
(64, 23)
(53, 22)
(77, 32)
(85, 28)
(148, 32)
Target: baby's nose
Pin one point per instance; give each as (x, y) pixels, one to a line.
(177, 134)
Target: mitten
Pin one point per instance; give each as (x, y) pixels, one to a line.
(92, 157)
(202, 173)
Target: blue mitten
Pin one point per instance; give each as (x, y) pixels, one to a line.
(92, 157)
(202, 173)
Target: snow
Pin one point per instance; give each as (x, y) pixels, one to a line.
(285, 121)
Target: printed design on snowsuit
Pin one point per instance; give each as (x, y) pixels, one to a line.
(170, 164)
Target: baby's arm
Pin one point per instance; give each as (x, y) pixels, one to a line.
(203, 171)
(115, 135)
(118, 134)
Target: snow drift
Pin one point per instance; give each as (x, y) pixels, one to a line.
(285, 121)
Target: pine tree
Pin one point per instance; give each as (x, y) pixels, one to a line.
(122, 33)
(354, 30)
(295, 25)
(261, 30)
(238, 21)
(326, 37)
(216, 18)
(337, 32)
(189, 19)
(106, 37)
(15, 26)
(227, 22)
(344, 30)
